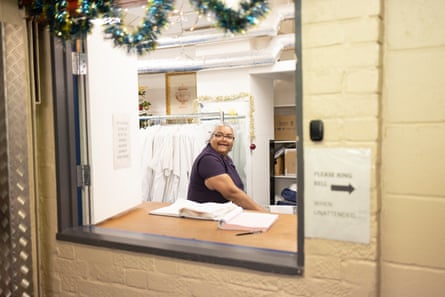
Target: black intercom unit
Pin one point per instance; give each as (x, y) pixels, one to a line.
(316, 130)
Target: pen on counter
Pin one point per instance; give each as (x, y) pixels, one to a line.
(248, 233)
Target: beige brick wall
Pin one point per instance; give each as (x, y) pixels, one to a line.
(370, 94)
(413, 150)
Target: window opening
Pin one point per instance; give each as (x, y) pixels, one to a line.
(76, 229)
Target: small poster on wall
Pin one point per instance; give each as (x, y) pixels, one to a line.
(337, 198)
(181, 92)
(121, 141)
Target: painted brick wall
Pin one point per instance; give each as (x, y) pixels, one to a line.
(413, 150)
(343, 82)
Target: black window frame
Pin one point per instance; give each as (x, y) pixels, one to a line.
(70, 227)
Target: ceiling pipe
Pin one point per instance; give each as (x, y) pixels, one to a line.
(269, 55)
(266, 56)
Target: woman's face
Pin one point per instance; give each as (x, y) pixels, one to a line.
(222, 140)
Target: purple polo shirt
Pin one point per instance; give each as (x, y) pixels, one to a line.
(210, 163)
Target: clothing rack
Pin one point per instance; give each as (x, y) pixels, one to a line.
(146, 121)
(204, 115)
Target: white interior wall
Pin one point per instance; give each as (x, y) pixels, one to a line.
(156, 86)
(223, 82)
(112, 91)
(284, 93)
(271, 86)
(262, 91)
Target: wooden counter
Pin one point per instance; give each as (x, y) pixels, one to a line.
(281, 236)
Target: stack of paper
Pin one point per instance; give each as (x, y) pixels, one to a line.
(229, 215)
(248, 221)
(205, 211)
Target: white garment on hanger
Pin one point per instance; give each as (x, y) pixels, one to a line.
(167, 156)
(146, 148)
(160, 162)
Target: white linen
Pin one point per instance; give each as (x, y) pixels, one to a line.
(168, 152)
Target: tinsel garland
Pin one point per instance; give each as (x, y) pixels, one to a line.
(143, 39)
(234, 21)
(68, 20)
(71, 19)
(68, 25)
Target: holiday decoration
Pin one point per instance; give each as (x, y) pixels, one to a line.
(67, 19)
(234, 21)
(72, 19)
(143, 39)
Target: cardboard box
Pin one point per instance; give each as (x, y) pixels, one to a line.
(279, 165)
(290, 162)
(285, 127)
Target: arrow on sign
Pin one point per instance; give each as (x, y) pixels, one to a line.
(347, 188)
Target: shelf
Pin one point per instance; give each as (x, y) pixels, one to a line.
(285, 176)
(279, 146)
(283, 141)
(285, 106)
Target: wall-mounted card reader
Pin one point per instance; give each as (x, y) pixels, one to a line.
(316, 130)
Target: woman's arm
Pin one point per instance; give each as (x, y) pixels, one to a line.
(225, 185)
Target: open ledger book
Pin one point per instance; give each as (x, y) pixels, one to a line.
(228, 215)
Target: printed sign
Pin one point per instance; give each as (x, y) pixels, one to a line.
(337, 199)
(121, 141)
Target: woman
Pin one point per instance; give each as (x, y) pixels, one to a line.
(214, 177)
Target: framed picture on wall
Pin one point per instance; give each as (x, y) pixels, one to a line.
(181, 92)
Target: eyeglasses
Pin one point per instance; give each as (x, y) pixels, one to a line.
(221, 135)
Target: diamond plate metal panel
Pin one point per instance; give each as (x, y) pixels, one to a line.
(16, 252)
